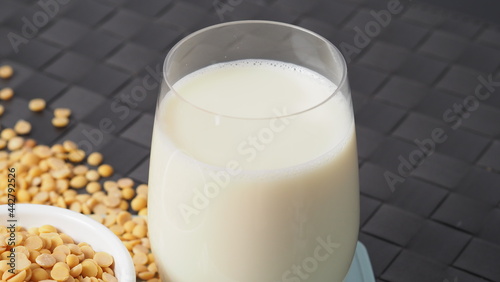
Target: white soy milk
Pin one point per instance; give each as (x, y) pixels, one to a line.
(240, 190)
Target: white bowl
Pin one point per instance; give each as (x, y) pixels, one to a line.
(80, 227)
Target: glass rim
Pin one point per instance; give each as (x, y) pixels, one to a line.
(342, 81)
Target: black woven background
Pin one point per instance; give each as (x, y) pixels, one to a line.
(442, 224)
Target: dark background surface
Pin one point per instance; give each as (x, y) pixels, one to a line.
(441, 224)
(483, 9)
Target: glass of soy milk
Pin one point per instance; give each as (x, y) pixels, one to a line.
(254, 173)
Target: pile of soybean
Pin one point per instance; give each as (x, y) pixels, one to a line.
(57, 175)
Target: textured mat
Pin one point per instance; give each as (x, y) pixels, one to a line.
(416, 82)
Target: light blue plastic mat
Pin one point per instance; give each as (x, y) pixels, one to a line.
(361, 268)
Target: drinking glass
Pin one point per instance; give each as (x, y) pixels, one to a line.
(253, 173)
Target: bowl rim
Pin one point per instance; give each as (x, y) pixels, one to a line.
(122, 256)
